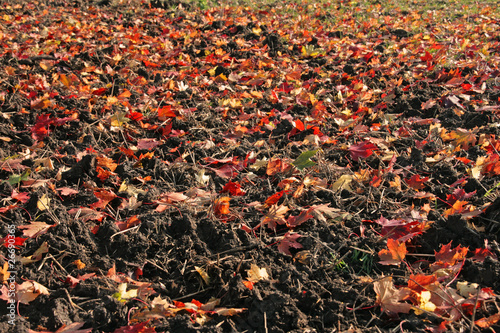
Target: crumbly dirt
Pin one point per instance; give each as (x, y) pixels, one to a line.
(324, 286)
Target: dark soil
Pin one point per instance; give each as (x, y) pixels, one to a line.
(321, 287)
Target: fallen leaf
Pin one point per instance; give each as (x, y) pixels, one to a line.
(416, 182)
(35, 229)
(389, 298)
(295, 221)
(29, 290)
(394, 254)
(256, 274)
(37, 255)
(488, 321)
(221, 206)
(289, 240)
(362, 150)
(303, 161)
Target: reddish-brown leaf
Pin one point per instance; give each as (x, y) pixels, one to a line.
(288, 241)
(362, 150)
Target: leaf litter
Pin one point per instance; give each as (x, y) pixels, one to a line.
(231, 169)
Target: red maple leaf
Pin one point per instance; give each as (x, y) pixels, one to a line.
(274, 198)
(362, 150)
(18, 241)
(416, 182)
(288, 241)
(233, 188)
(104, 197)
(295, 221)
(448, 257)
(418, 282)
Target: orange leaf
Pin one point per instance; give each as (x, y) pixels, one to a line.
(274, 166)
(487, 322)
(222, 206)
(418, 282)
(276, 215)
(395, 254)
(457, 207)
(107, 162)
(273, 199)
(166, 112)
(104, 197)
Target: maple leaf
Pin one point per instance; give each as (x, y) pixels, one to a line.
(459, 194)
(74, 281)
(488, 321)
(221, 206)
(147, 144)
(289, 240)
(463, 138)
(37, 255)
(480, 254)
(20, 196)
(394, 254)
(107, 162)
(233, 189)
(104, 197)
(457, 207)
(389, 298)
(4, 272)
(131, 222)
(275, 166)
(448, 257)
(273, 199)
(362, 150)
(275, 215)
(66, 191)
(416, 182)
(295, 221)
(419, 282)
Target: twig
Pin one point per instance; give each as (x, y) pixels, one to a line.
(73, 304)
(124, 231)
(192, 294)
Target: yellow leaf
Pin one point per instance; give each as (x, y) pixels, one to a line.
(43, 203)
(203, 274)
(64, 80)
(119, 119)
(256, 274)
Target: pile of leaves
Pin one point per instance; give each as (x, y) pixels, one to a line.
(294, 168)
